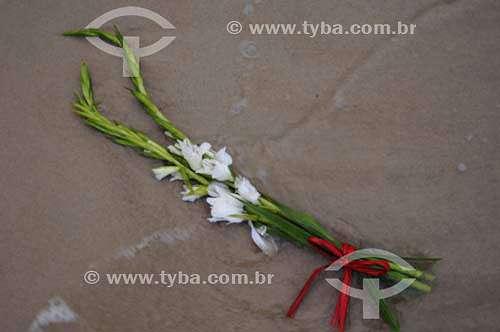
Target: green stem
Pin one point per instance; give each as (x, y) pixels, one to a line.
(396, 276)
(122, 134)
(140, 94)
(412, 273)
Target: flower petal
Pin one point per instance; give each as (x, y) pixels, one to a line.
(221, 172)
(191, 152)
(246, 190)
(264, 241)
(215, 169)
(222, 204)
(217, 189)
(205, 148)
(224, 157)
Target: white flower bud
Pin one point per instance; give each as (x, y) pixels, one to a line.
(162, 172)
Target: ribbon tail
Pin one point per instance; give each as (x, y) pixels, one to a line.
(342, 302)
(303, 292)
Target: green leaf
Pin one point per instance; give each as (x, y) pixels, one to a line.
(388, 314)
(97, 126)
(132, 62)
(94, 33)
(422, 258)
(185, 177)
(305, 221)
(276, 232)
(79, 98)
(141, 135)
(86, 85)
(290, 229)
(245, 217)
(150, 154)
(397, 277)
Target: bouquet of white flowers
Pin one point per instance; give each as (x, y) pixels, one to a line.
(207, 172)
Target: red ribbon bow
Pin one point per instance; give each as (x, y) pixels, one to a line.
(371, 267)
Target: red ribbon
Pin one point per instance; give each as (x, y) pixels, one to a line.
(371, 267)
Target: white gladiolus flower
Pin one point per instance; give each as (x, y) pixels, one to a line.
(203, 160)
(218, 167)
(263, 240)
(188, 196)
(223, 204)
(246, 190)
(162, 172)
(193, 153)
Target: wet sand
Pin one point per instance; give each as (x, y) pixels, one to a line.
(390, 141)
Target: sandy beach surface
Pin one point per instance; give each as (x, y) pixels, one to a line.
(390, 141)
